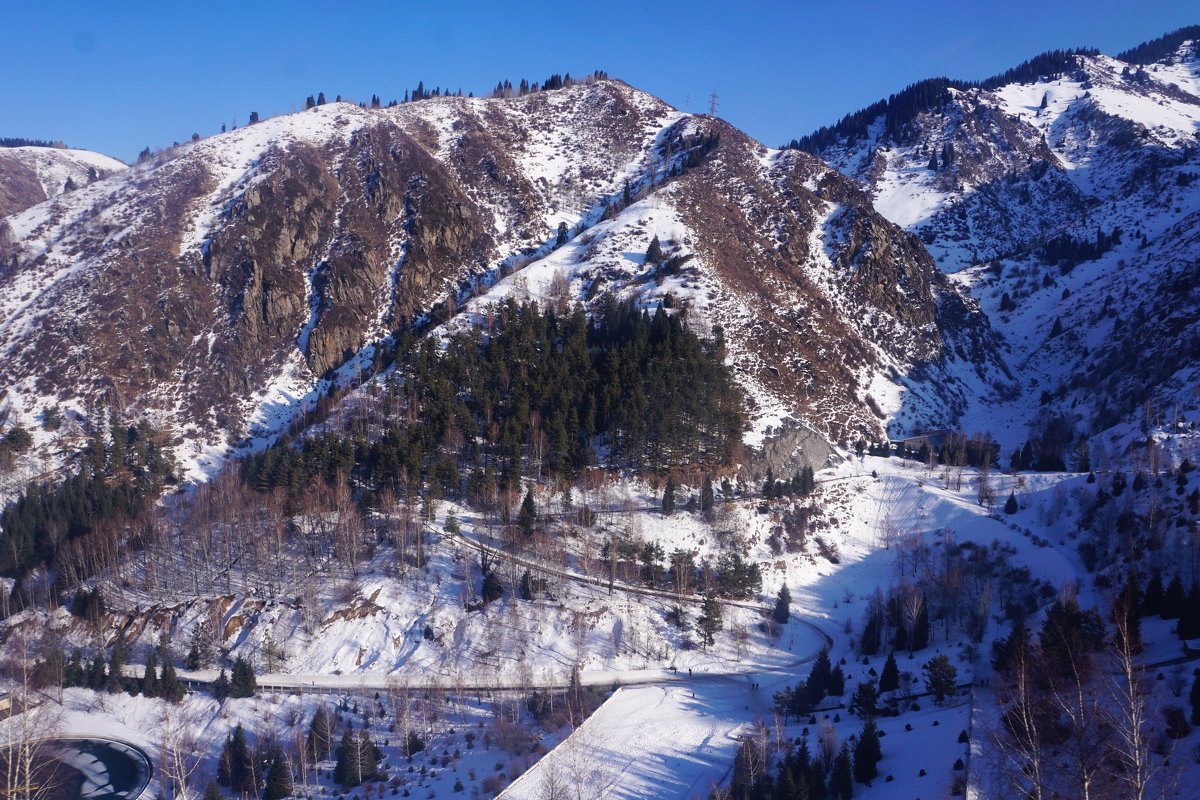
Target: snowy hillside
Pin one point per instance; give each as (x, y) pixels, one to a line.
(30, 175)
(214, 287)
(1065, 203)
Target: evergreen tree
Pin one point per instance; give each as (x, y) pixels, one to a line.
(1010, 505)
(212, 791)
(242, 682)
(347, 771)
(234, 769)
(867, 753)
(278, 783)
(837, 682)
(1189, 617)
(116, 666)
(221, 686)
(563, 236)
(1152, 599)
(668, 498)
(1194, 697)
(941, 677)
(320, 733)
(819, 675)
(841, 779)
(865, 699)
(783, 605)
(170, 686)
(889, 679)
(150, 676)
(710, 619)
(527, 516)
(1174, 599)
(654, 253)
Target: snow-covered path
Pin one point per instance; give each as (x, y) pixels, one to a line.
(651, 743)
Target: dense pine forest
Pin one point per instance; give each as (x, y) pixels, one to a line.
(542, 396)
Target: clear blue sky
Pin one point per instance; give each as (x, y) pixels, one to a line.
(118, 76)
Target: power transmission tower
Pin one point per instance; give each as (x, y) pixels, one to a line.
(712, 103)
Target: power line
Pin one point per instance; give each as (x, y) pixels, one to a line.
(712, 103)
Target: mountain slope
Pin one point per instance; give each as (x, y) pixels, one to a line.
(1065, 201)
(29, 175)
(211, 289)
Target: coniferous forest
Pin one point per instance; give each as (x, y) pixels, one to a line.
(543, 395)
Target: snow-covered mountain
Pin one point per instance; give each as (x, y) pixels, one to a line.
(213, 287)
(1062, 196)
(29, 175)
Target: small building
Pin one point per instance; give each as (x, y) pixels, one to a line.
(932, 441)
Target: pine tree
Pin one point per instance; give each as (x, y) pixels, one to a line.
(654, 253)
(348, 769)
(710, 619)
(116, 666)
(170, 686)
(1152, 599)
(320, 732)
(278, 783)
(221, 686)
(841, 780)
(150, 676)
(235, 769)
(668, 498)
(837, 682)
(1010, 505)
(212, 791)
(867, 753)
(865, 699)
(941, 677)
(1174, 599)
(563, 236)
(889, 679)
(242, 682)
(527, 516)
(819, 675)
(783, 605)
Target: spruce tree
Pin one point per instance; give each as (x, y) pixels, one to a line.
(150, 676)
(867, 753)
(278, 784)
(841, 780)
(706, 496)
(1174, 599)
(1010, 505)
(1153, 597)
(941, 677)
(320, 733)
(654, 253)
(234, 769)
(563, 236)
(819, 675)
(889, 679)
(668, 498)
(527, 516)
(347, 771)
(242, 682)
(837, 682)
(783, 605)
(221, 687)
(1194, 697)
(170, 686)
(710, 619)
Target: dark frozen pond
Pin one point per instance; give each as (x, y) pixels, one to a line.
(108, 770)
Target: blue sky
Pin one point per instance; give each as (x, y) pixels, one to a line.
(118, 76)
